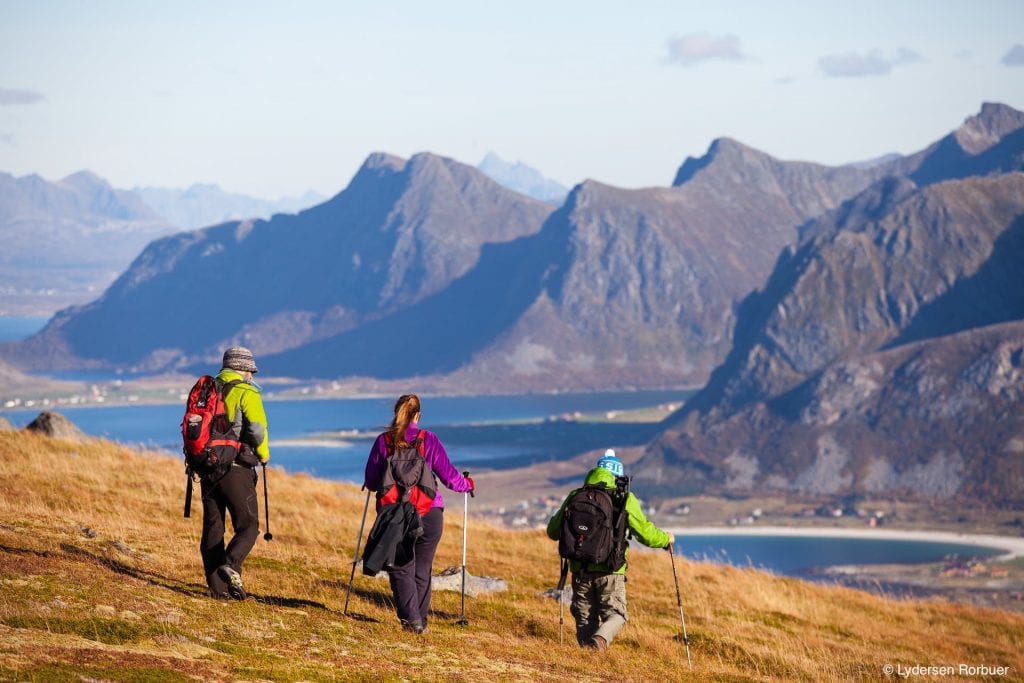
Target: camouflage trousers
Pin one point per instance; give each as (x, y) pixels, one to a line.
(598, 605)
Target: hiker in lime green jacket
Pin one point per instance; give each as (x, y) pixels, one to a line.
(233, 489)
(598, 591)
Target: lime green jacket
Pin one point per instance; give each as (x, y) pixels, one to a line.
(639, 526)
(252, 429)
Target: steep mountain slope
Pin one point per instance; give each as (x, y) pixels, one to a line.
(65, 241)
(613, 291)
(992, 141)
(897, 264)
(401, 231)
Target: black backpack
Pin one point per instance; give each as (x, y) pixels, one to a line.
(594, 525)
(407, 477)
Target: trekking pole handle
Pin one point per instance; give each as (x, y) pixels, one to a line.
(472, 494)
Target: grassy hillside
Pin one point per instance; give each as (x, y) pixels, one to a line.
(100, 579)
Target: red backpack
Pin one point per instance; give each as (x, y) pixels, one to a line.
(209, 442)
(407, 477)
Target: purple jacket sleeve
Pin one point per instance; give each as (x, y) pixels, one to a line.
(437, 458)
(375, 465)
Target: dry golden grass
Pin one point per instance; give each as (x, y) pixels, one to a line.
(100, 579)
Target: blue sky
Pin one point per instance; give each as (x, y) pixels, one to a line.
(273, 99)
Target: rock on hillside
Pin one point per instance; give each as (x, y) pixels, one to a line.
(402, 231)
(55, 426)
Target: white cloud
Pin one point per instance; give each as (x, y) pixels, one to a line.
(906, 56)
(9, 97)
(1015, 56)
(699, 47)
(874, 63)
(963, 54)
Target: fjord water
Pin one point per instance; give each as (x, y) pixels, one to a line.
(330, 438)
(802, 555)
(17, 327)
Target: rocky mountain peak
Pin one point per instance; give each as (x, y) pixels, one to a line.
(987, 128)
(722, 151)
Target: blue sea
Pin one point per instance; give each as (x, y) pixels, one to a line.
(483, 432)
(805, 556)
(15, 327)
(478, 431)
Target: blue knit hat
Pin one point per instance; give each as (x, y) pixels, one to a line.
(609, 462)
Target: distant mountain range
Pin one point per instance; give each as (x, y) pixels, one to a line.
(857, 329)
(66, 241)
(201, 205)
(618, 288)
(885, 353)
(523, 179)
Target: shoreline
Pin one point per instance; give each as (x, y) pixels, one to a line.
(1012, 546)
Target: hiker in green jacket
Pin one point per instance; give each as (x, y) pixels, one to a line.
(234, 488)
(598, 592)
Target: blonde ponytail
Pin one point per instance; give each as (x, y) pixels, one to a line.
(406, 408)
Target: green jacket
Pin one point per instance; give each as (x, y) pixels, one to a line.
(639, 526)
(252, 428)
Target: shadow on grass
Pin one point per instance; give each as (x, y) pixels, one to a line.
(159, 580)
(25, 551)
(294, 603)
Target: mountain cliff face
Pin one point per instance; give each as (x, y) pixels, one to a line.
(611, 291)
(861, 365)
(401, 232)
(620, 288)
(64, 242)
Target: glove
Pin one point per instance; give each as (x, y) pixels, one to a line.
(472, 486)
(671, 541)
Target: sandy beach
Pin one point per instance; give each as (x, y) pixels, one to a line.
(1012, 545)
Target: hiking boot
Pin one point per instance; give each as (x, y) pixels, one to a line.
(234, 580)
(598, 643)
(417, 626)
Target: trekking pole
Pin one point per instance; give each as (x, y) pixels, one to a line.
(188, 495)
(355, 558)
(679, 601)
(561, 603)
(465, 518)
(266, 505)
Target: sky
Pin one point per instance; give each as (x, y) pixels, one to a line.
(275, 99)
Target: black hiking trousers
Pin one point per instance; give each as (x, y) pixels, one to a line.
(234, 492)
(410, 583)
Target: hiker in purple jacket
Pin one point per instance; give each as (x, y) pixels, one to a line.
(410, 582)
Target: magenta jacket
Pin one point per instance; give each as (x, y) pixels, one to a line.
(433, 451)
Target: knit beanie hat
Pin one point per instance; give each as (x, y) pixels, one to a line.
(609, 462)
(239, 358)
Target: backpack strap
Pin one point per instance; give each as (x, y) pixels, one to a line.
(389, 444)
